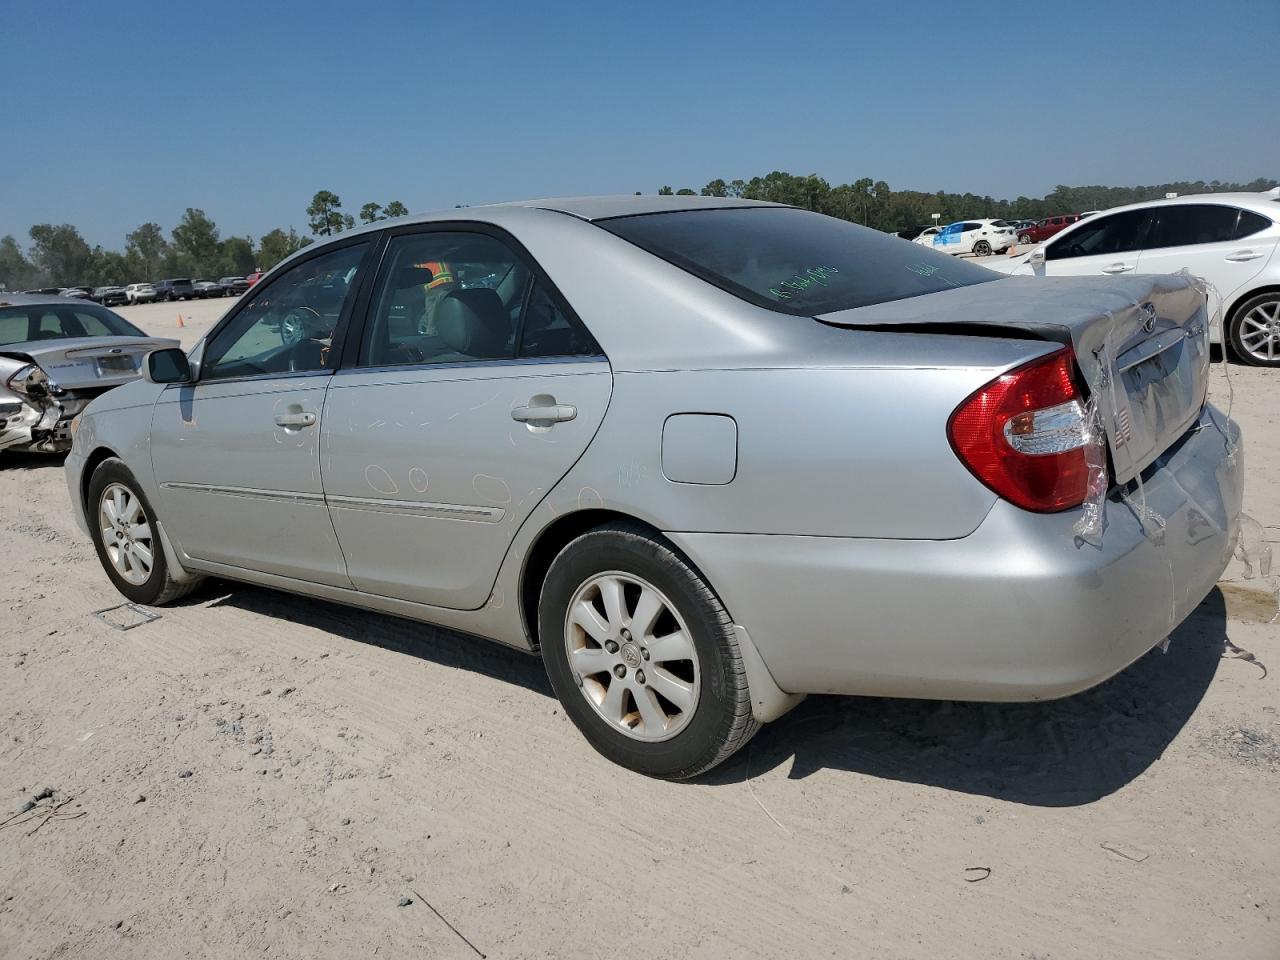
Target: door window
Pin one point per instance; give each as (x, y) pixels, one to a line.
(1117, 233)
(1192, 223)
(288, 326)
(456, 297)
(1250, 223)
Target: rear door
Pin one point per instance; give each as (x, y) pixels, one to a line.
(1226, 245)
(474, 389)
(237, 454)
(1097, 246)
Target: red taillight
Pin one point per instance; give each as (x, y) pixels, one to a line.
(1024, 435)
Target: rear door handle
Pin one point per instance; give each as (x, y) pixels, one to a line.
(295, 419)
(546, 413)
(1117, 268)
(1243, 256)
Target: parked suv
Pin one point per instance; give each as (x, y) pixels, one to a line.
(140, 293)
(233, 286)
(1046, 228)
(1229, 239)
(979, 237)
(177, 289)
(109, 296)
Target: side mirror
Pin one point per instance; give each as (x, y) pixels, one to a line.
(1036, 256)
(167, 366)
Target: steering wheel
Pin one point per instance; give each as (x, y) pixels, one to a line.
(295, 324)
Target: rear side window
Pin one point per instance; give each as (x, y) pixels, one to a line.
(1189, 224)
(795, 261)
(459, 297)
(1250, 223)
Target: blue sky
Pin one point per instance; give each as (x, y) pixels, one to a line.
(115, 114)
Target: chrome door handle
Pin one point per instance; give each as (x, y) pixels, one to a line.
(1117, 268)
(547, 413)
(296, 419)
(1243, 256)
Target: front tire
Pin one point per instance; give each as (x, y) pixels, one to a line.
(126, 537)
(1254, 331)
(642, 654)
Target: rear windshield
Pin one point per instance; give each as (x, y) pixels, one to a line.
(57, 321)
(795, 261)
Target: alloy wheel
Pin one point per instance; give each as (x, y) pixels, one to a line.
(632, 656)
(126, 533)
(1259, 334)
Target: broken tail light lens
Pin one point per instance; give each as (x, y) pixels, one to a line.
(1024, 435)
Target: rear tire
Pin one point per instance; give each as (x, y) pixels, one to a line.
(982, 249)
(126, 537)
(687, 647)
(1254, 331)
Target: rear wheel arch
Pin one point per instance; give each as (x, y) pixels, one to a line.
(1229, 315)
(559, 534)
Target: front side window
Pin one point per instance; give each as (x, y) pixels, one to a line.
(1117, 233)
(289, 325)
(1188, 224)
(458, 297)
(795, 261)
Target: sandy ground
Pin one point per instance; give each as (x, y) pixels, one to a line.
(256, 773)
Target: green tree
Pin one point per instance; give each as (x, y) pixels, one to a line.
(146, 248)
(195, 239)
(326, 216)
(371, 213)
(276, 245)
(395, 209)
(685, 192)
(16, 271)
(236, 257)
(716, 188)
(666, 192)
(60, 253)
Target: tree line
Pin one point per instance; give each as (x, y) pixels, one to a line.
(58, 255)
(874, 204)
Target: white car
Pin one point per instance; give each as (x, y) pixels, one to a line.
(981, 238)
(1229, 239)
(140, 292)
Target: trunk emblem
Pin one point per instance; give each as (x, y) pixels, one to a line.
(1149, 317)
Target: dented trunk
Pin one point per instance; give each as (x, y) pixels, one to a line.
(1142, 345)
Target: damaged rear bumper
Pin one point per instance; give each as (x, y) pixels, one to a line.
(38, 425)
(1018, 610)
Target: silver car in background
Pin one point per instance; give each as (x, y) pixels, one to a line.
(56, 355)
(704, 456)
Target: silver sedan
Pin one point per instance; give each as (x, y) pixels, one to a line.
(703, 456)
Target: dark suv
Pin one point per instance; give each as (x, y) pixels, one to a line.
(178, 289)
(1046, 228)
(233, 286)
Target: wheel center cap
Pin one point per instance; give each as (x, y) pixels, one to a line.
(630, 653)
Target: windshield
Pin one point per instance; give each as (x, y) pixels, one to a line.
(60, 321)
(795, 261)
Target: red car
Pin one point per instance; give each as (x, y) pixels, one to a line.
(1046, 228)
(254, 277)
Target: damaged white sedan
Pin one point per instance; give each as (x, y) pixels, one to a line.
(57, 354)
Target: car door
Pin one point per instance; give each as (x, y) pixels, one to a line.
(1224, 244)
(474, 390)
(237, 453)
(1097, 246)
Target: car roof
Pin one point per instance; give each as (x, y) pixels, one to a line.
(1266, 203)
(37, 299)
(625, 205)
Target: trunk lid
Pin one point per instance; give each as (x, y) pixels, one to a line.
(1142, 344)
(88, 362)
